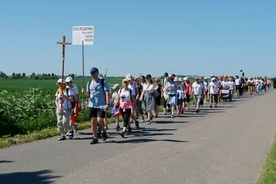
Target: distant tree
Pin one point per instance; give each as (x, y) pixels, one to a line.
(72, 75)
(13, 75)
(3, 75)
(32, 75)
(23, 75)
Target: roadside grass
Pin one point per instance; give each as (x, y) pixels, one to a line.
(268, 175)
(7, 141)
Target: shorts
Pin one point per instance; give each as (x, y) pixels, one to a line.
(96, 112)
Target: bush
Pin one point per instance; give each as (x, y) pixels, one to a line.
(24, 112)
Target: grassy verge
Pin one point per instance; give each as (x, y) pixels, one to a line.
(8, 141)
(268, 174)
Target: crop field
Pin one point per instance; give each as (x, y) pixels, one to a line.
(27, 105)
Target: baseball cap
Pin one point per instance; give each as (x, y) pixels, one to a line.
(180, 79)
(129, 77)
(213, 79)
(125, 80)
(93, 70)
(59, 81)
(176, 79)
(68, 79)
(185, 78)
(116, 86)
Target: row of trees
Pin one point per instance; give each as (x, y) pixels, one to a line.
(32, 76)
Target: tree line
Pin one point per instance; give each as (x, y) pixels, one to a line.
(32, 76)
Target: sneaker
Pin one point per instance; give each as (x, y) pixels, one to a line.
(61, 138)
(104, 137)
(118, 127)
(172, 116)
(71, 134)
(94, 141)
(215, 105)
(137, 124)
(75, 127)
(106, 127)
(122, 134)
(210, 106)
(197, 111)
(148, 122)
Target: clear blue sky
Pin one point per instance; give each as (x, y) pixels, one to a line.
(139, 37)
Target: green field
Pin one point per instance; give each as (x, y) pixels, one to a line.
(44, 84)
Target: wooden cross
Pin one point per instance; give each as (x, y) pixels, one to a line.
(63, 55)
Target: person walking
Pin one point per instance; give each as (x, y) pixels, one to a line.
(171, 88)
(115, 101)
(148, 96)
(63, 109)
(126, 105)
(158, 95)
(77, 107)
(197, 90)
(181, 93)
(213, 89)
(135, 94)
(97, 90)
(188, 91)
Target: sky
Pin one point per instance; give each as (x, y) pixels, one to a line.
(185, 37)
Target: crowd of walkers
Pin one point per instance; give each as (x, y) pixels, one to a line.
(141, 97)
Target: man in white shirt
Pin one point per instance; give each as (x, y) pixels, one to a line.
(213, 89)
(197, 90)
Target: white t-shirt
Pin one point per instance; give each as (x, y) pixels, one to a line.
(213, 86)
(231, 85)
(237, 82)
(125, 96)
(74, 90)
(115, 96)
(197, 88)
(225, 85)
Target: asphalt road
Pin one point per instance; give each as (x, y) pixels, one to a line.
(222, 145)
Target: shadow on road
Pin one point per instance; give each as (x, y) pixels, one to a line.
(5, 161)
(42, 177)
(144, 140)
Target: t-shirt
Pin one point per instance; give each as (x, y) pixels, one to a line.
(125, 96)
(74, 90)
(237, 82)
(97, 93)
(115, 96)
(197, 88)
(213, 86)
(133, 87)
(225, 85)
(66, 104)
(231, 85)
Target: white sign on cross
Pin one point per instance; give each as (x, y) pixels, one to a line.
(83, 33)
